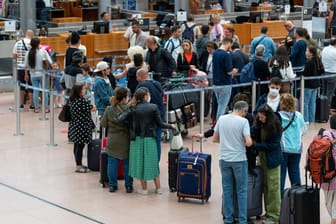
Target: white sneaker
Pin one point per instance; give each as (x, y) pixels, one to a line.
(158, 191)
(142, 192)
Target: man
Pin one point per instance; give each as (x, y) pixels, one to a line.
(289, 26)
(128, 33)
(222, 74)
(173, 44)
(201, 43)
(332, 18)
(239, 58)
(74, 43)
(159, 60)
(191, 26)
(19, 52)
(156, 93)
(329, 63)
(138, 37)
(105, 16)
(298, 53)
(72, 70)
(266, 41)
(232, 131)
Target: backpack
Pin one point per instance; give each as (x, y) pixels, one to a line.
(171, 41)
(247, 73)
(320, 160)
(188, 33)
(275, 72)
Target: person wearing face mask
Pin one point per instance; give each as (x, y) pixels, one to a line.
(272, 98)
(144, 118)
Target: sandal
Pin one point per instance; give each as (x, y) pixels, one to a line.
(82, 170)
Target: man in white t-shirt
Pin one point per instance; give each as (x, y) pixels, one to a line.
(19, 52)
(232, 131)
(173, 44)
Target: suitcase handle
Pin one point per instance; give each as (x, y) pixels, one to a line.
(193, 139)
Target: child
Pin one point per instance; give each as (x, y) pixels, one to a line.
(56, 85)
(85, 79)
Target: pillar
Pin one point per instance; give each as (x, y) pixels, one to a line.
(27, 17)
(181, 5)
(308, 3)
(103, 6)
(228, 5)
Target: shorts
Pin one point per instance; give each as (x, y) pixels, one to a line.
(21, 79)
(330, 202)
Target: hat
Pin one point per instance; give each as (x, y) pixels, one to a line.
(101, 66)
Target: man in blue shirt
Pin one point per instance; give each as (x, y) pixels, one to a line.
(222, 74)
(269, 44)
(298, 52)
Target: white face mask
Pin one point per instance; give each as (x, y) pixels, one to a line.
(148, 99)
(274, 92)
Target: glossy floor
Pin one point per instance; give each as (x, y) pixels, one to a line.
(38, 183)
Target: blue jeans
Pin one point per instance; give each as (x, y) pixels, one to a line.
(37, 82)
(234, 174)
(223, 97)
(112, 172)
(158, 141)
(290, 161)
(309, 104)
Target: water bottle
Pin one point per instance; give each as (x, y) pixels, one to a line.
(150, 75)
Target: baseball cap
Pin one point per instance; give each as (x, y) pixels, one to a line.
(101, 66)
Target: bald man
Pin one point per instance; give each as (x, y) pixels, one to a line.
(289, 26)
(19, 52)
(156, 93)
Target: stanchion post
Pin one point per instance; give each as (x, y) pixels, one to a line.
(254, 95)
(302, 95)
(43, 114)
(52, 121)
(167, 110)
(201, 117)
(17, 109)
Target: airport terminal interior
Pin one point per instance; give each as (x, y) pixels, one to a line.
(37, 179)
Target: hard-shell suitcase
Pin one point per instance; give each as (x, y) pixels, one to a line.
(322, 109)
(301, 205)
(179, 100)
(172, 167)
(94, 154)
(194, 176)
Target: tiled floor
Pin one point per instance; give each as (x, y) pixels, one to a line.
(38, 183)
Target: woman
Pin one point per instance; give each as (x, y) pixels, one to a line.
(293, 128)
(117, 139)
(313, 67)
(165, 35)
(281, 60)
(187, 59)
(216, 33)
(267, 132)
(136, 55)
(329, 189)
(81, 124)
(145, 117)
(34, 63)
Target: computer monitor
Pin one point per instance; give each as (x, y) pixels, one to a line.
(101, 27)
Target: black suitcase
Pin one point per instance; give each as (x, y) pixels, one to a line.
(254, 194)
(94, 154)
(103, 169)
(179, 100)
(172, 167)
(300, 205)
(333, 102)
(322, 109)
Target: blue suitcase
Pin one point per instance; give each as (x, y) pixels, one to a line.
(194, 176)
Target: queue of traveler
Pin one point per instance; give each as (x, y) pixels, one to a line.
(134, 125)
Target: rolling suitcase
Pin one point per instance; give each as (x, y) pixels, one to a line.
(194, 175)
(300, 205)
(172, 167)
(93, 155)
(322, 108)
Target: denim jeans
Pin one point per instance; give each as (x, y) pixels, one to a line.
(158, 141)
(37, 82)
(112, 172)
(329, 86)
(290, 161)
(223, 97)
(234, 174)
(309, 104)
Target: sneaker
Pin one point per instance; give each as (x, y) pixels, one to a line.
(113, 189)
(158, 191)
(31, 108)
(21, 106)
(129, 189)
(142, 192)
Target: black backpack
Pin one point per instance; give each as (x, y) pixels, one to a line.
(276, 72)
(188, 33)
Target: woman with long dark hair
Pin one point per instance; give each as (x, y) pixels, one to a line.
(313, 67)
(267, 131)
(117, 139)
(144, 117)
(34, 63)
(81, 124)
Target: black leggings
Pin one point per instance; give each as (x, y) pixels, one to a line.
(78, 152)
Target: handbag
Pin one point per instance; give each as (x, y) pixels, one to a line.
(65, 115)
(177, 141)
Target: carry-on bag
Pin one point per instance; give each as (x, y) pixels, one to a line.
(322, 108)
(301, 205)
(194, 175)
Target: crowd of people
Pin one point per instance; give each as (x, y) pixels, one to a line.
(134, 116)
